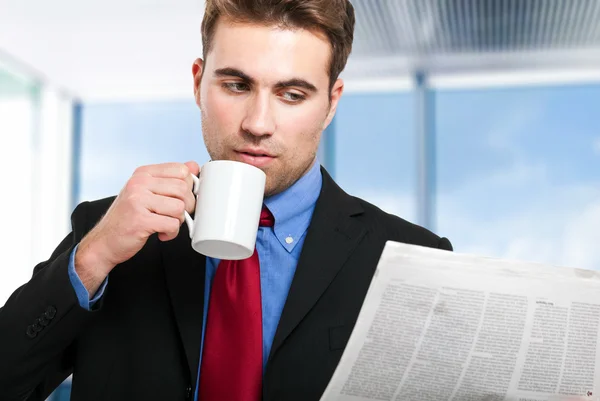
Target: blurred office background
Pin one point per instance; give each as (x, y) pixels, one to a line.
(479, 119)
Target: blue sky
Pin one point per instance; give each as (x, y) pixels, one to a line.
(557, 125)
(518, 169)
(519, 172)
(118, 137)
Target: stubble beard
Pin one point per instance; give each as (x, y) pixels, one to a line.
(279, 178)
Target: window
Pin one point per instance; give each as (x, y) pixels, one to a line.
(18, 110)
(36, 165)
(375, 150)
(518, 172)
(119, 137)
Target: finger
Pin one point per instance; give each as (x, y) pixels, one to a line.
(194, 170)
(167, 206)
(174, 188)
(165, 170)
(166, 227)
(194, 167)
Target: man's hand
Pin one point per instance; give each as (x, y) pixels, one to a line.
(153, 201)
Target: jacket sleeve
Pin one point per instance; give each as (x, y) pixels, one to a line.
(39, 323)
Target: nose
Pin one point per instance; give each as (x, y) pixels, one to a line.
(259, 119)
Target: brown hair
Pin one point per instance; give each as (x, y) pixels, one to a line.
(334, 18)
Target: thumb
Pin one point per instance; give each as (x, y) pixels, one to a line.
(194, 167)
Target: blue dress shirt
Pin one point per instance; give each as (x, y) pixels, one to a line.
(82, 293)
(278, 250)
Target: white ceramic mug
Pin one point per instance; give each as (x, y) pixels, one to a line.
(229, 198)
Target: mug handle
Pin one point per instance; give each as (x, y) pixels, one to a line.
(188, 219)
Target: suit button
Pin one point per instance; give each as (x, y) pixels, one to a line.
(31, 333)
(43, 321)
(50, 312)
(188, 393)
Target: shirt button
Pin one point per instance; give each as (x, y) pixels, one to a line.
(289, 240)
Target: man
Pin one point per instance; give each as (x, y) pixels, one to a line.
(126, 305)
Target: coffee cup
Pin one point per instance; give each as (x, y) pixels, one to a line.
(229, 199)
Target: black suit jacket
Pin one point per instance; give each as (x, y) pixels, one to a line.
(142, 340)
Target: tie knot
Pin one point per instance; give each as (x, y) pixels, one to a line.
(266, 218)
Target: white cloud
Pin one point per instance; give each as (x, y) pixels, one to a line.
(537, 222)
(596, 146)
(522, 212)
(504, 129)
(581, 237)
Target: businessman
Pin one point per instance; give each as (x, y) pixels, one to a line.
(133, 313)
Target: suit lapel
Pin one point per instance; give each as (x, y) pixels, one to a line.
(184, 271)
(332, 236)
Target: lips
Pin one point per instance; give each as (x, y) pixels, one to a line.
(257, 158)
(257, 154)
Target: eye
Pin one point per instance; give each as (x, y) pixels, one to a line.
(293, 97)
(237, 87)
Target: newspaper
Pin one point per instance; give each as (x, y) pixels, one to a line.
(440, 326)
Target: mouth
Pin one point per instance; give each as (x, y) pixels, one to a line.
(256, 158)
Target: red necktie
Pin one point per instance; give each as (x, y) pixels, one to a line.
(232, 357)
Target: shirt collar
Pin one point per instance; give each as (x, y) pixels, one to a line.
(293, 208)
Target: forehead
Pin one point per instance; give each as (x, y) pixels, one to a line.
(270, 53)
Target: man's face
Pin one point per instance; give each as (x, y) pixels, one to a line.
(264, 97)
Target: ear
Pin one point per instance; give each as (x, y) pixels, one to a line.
(335, 95)
(197, 69)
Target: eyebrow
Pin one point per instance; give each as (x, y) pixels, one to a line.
(300, 83)
(234, 72)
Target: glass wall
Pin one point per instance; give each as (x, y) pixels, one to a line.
(119, 137)
(375, 150)
(519, 172)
